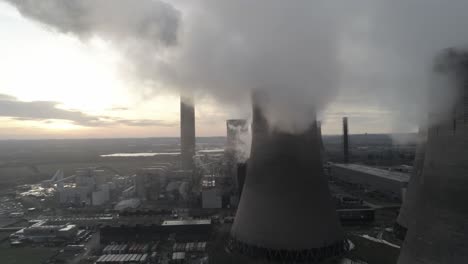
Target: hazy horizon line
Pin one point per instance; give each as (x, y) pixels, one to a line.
(178, 137)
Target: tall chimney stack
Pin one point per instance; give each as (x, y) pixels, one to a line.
(187, 132)
(286, 213)
(345, 140)
(440, 231)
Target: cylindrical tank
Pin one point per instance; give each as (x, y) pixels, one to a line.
(286, 212)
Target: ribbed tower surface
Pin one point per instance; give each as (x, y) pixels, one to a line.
(286, 212)
(409, 208)
(440, 233)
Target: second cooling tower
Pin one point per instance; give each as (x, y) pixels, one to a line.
(286, 213)
(439, 233)
(409, 209)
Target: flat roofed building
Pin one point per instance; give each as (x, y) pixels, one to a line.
(187, 222)
(391, 183)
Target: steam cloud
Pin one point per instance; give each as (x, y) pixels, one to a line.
(153, 22)
(302, 53)
(242, 141)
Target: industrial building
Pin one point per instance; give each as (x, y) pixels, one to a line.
(45, 232)
(286, 213)
(90, 187)
(189, 229)
(123, 205)
(184, 231)
(439, 233)
(101, 195)
(150, 181)
(391, 183)
(211, 193)
(211, 198)
(123, 258)
(89, 221)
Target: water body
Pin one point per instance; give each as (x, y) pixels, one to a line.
(143, 154)
(152, 154)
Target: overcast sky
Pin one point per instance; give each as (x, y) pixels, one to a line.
(102, 68)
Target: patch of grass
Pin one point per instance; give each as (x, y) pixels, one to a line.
(372, 252)
(26, 255)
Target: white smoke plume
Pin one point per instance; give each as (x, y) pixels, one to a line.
(240, 142)
(302, 53)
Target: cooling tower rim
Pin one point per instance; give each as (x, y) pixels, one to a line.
(291, 255)
(236, 120)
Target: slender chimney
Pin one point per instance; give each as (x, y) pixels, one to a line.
(440, 231)
(187, 132)
(286, 213)
(345, 140)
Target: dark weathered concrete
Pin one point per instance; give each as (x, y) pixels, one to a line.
(409, 208)
(440, 232)
(285, 203)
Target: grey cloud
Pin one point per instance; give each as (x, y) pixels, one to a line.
(42, 110)
(226, 48)
(399, 43)
(152, 21)
(5, 97)
(119, 108)
(46, 111)
(145, 122)
(303, 53)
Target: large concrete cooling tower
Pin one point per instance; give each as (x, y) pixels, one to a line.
(286, 213)
(187, 132)
(440, 232)
(409, 208)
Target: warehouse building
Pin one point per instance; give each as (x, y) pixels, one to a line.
(391, 183)
(45, 232)
(184, 231)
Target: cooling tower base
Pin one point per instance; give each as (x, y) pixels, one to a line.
(314, 255)
(399, 231)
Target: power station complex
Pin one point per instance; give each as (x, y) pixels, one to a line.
(279, 197)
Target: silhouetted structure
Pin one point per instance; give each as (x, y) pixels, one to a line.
(440, 231)
(322, 146)
(241, 175)
(345, 141)
(286, 212)
(187, 132)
